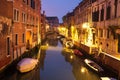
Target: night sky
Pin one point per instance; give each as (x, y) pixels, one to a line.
(58, 8)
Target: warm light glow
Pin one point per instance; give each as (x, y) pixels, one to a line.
(68, 50)
(71, 57)
(29, 37)
(47, 44)
(63, 31)
(47, 27)
(85, 25)
(44, 47)
(83, 70)
(74, 33)
(88, 40)
(90, 37)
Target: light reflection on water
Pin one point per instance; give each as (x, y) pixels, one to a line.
(61, 64)
(79, 69)
(54, 48)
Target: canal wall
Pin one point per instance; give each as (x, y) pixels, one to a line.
(110, 62)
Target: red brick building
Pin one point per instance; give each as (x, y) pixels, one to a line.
(26, 16)
(24, 22)
(5, 33)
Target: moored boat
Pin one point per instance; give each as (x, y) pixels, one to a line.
(93, 65)
(107, 78)
(77, 52)
(69, 44)
(27, 64)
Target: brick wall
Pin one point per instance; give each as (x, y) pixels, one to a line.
(6, 8)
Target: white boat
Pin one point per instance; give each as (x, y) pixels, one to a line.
(69, 44)
(93, 65)
(27, 64)
(107, 78)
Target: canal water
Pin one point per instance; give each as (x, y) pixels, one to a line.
(61, 64)
(55, 63)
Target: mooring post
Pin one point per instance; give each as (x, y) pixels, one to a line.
(119, 74)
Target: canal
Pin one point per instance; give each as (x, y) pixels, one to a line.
(55, 63)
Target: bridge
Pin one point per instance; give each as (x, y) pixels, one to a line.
(51, 35)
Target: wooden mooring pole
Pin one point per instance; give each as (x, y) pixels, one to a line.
(119, 74)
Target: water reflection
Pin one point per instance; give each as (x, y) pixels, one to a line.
(42, 58)
(51, 42)
(78, 67)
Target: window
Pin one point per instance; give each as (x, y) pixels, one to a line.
(27, 18)
(24, 1)
(108, 11)
(16, 39)
(16, 15)
(32, 19)
(96, 32)
(32, 4)
(23, 37)
(119, 43)
(27, 2)
(95, 15)
(93, 1)
(102, 15)
(36, 21)
(107, 44)
(116, 3)
(101, 32)
(8, 46)
(23, 17)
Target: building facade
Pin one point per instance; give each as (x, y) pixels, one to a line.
(53, 22)
(98, 26)
(26, 25)
(107, 25)
(5, 34)
(24, 20)
(44, 26)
